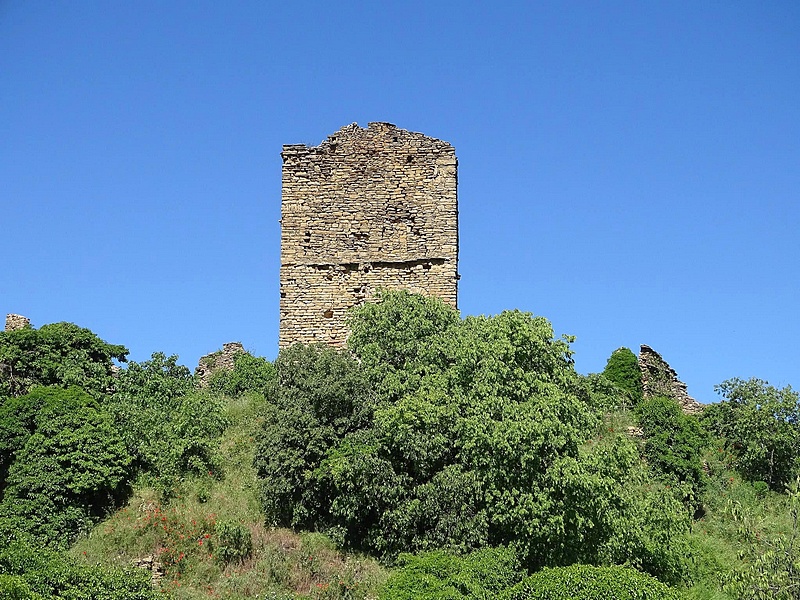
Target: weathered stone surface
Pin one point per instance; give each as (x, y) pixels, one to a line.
(659, 379)
(14, 322)
(152, 564)
(221, 359)
(366, 209)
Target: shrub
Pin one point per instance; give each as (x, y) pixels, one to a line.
(442, 576)
(622, 369)
(249, 374)
(36, 573)
(13, 587)
(583, 582)
(673, 443)
(233, 542)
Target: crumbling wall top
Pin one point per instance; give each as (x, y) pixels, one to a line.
(14, 322)
(659, 379)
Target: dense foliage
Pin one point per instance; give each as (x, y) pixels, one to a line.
(457, 434)
(66, 463)
(622, 369)
(673, 445)
(583, 582)
(467, 453)
(168, 428)
(60, 354)
(30, 572)
(439, 575)
(760, 425)
(249, 374)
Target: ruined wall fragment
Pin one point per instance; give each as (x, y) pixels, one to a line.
(221, 359)
(659, 379)
(366, 209)
(14, 322)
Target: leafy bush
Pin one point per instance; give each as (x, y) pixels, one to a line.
(69, 465)
(249, 374)
(169, 428)
(771, 565)
(583, 582)
(233, 542)
(761, 428)
(601, 394)
(622, 369)
(442, 576)
(29, 572)
(13, 587)
(60, 354)
(673, 443)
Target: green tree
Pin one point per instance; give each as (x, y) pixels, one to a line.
(168, 427)
(323, 395)
(622, 369)
(761, 428)
(60, 354)
(69, 467)
(673, 444)
(460, 434)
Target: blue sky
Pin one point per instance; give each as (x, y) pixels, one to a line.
(629, 170)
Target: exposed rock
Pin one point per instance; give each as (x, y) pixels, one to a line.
(659, 379)
(154, 566)
(366, 209)
(14, 322)
(221, 359)
(634, 431)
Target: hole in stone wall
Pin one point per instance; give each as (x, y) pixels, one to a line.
(328, 314)
(409, 159)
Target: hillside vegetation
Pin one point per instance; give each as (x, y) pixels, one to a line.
(437, 457)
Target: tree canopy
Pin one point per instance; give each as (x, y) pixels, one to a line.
(60, 354)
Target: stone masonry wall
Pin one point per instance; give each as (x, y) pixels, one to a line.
(221, 359)
(366, 209)
(659, 379)
(14, 322)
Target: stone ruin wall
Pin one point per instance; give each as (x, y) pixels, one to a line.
(14, 322)
(221, 359)
(659, 379)
(366, 209)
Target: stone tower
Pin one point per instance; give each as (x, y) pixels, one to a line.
(366, 209)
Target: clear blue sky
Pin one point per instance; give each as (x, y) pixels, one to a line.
(629, 170)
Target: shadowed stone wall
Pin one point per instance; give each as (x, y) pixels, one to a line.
(366, 209)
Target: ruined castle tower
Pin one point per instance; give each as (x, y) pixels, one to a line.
(366, 209)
